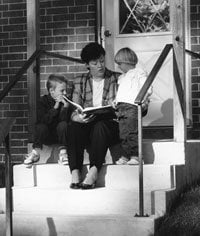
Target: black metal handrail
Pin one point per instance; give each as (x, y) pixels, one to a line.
(139, 100)
(153, 74)
(5, 128)
(5, 137)
(193, 54)
(61, 56)
(156, 69)
(19, 74)
(28, 63)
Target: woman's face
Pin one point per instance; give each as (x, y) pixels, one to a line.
(97, 67)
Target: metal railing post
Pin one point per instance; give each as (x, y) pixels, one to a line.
(138, 101)
(8, 183)
(141, 188)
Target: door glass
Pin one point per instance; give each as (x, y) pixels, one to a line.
(143, 16)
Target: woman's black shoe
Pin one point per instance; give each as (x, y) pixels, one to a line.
(75, 185)
(87, 186)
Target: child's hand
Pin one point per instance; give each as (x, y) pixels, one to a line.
(64, 102)
(60, 99)
(145, 104)
(114, 104)
(56, 105)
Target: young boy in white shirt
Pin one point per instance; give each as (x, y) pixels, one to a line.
(129, 85)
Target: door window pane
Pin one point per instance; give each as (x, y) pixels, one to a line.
(143, 16)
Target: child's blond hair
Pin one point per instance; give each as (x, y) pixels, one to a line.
(53, 79)
(126, 55)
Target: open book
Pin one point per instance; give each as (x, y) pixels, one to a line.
(91, 110)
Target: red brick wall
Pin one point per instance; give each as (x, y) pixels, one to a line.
(66, 26)
(195, 73)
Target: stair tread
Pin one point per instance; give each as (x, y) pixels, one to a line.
(45, 225)
(111, 176)
(98, 201)
(149, 165)
(154, 152)
(41, 215)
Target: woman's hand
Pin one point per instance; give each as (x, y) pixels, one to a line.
(77, 116)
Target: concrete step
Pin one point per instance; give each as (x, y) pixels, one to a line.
(110, 176)
(163, 152)
(63, 211)
(64, 201)
(55, 225)
(154, 152)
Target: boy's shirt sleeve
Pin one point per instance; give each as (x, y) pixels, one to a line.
(65, 113)
(45, 112)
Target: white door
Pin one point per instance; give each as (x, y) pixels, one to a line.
(144, 26)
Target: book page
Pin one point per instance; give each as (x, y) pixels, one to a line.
(100, 110)
(79, 107)
(95, 108)
(91, 110)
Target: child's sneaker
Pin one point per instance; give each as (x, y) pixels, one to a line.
(122, 161)
(32, 157)
(133, 161)
(63, 157)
